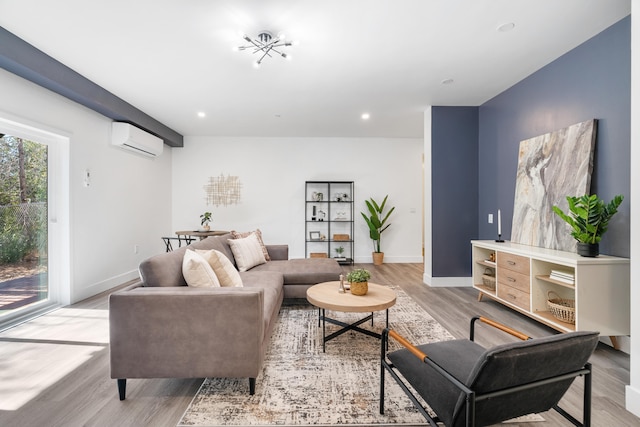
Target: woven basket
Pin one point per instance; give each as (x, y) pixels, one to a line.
(359, 288)
(562, 309)
(488, 279)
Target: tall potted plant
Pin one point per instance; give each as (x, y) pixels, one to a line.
(589, 218)
(376, 222)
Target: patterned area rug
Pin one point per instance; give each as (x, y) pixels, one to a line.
(301, 385)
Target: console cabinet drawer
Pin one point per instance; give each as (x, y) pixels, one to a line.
(513, 262)
(514, 296)
(515, 280)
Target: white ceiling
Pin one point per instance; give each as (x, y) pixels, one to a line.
(173, 58)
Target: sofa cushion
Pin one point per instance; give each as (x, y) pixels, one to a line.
(247, 252)
(258, 233)
(197, 272)
(165, 269)
(227, 274)
(219, 243)
(271, 283)
(307, 271)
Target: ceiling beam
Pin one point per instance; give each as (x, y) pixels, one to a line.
(20, 58)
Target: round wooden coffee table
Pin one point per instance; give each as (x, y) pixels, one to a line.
(326, 296)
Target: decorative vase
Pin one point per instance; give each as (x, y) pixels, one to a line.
(359, 288)
(378, 257)
(206, 227)
(588, 249)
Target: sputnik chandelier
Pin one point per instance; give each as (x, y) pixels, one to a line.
(266, 45)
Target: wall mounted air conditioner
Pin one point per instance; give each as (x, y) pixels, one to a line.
(129, 137)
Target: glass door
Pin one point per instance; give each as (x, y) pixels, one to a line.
(34, 220)
(24, 196)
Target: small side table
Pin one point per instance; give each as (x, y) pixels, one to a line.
(325, 296)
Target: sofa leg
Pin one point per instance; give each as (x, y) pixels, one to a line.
(252, 386)
(122, 387)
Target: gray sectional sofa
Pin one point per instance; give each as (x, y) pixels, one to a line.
(162, 328)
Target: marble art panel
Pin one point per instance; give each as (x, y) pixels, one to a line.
(551, 167)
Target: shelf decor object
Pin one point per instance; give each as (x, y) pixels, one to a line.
(530, 279)
(329, 212)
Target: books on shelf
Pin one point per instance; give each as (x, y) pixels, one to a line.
(563, 276)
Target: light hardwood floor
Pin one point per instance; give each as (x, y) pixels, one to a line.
(54, 370)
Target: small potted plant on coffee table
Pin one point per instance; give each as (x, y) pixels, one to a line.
(359, 281)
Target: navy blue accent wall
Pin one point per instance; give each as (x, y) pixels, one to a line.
(454, 151)
(591, 81)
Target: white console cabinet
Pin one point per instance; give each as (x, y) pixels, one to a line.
(600, 287)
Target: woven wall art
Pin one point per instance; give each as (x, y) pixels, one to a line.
(223, 190)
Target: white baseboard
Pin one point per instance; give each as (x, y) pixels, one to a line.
(447, 282)
(105, 285)
(632, 400)
(391, 260)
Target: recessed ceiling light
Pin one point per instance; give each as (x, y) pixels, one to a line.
(447, 81)
(365, 116)
(202, 114)
(506, 27)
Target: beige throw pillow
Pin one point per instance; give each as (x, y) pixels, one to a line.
(258, 233)
(197, 272)
(227, 274)
(247, 252)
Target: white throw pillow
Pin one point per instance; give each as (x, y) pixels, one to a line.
(247, 252)
(224, 269)
(242, 235)
(197, 272)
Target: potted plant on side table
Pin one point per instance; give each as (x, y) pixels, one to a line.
(376, 222)
(359, 281)
(205, 219)
(589, 218)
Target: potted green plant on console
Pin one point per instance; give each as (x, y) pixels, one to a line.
(589, 218)
(359, 281)
(376, 222)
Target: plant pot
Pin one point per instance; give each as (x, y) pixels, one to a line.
(588, 249)
(206, 227)
(359, 288)
(378, 257)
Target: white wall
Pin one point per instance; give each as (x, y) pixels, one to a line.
(633, 390)
(127, 203)
(273, 172)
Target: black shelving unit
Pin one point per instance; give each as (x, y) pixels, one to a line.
(329, 220)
